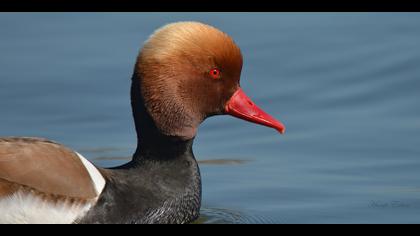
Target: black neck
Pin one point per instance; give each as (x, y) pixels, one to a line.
(151, 143)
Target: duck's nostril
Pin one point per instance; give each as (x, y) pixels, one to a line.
(250, 103)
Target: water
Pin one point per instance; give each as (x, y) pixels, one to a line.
(346, 85)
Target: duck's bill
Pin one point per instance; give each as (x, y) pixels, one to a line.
(241, 106)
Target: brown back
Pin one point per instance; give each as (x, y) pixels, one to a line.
(45, 166)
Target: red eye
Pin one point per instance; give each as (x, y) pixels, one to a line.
(215, 73)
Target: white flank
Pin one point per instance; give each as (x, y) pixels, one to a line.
(95, 175)
(25, 208)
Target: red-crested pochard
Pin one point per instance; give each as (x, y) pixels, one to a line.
(186, 72)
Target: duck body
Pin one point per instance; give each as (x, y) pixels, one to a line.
(155, 188)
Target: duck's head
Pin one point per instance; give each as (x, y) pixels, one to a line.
(188, 71)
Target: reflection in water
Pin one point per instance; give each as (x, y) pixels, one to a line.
(101, 150)
(400, 190)
(223, 162)
(227, 216)
(201, 162)
(111, 158)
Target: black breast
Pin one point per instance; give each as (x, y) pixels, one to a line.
(150, 191)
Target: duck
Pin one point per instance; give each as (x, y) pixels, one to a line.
(185, 72)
